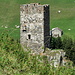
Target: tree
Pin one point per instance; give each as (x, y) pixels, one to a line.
(52, 43)
(56, 43)
(67, 43)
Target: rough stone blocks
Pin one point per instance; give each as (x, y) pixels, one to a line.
(34, 31)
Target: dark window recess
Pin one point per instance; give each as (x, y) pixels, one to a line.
(29, 36)
(24, 29)
(24, 22)
(61, 60)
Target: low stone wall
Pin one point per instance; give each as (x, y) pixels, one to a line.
(55, 57)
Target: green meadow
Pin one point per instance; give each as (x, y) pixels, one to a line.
(10, 15)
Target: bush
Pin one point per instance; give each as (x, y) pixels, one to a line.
(56, 43)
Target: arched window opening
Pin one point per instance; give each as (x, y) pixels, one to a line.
(29, 36)
(61, 60)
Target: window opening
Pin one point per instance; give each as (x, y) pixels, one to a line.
(61, 60)
(29, 36)
(24, 28)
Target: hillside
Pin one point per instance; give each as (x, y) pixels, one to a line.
(15, 61)
(9, 15)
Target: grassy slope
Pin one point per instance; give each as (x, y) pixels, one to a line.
(9, 15)
(16, 61)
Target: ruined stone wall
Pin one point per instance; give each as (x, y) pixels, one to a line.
(55, 57)
(34, 25)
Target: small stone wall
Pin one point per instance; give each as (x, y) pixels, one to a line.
(55, 57)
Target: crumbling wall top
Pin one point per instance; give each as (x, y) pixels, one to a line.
(35, 4)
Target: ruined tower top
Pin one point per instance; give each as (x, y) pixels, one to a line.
(35, 4)
(34, 20)
(33, 8)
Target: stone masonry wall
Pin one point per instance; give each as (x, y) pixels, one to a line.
(34, 20)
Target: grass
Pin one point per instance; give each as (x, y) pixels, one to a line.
(10, 15)
(16, 61)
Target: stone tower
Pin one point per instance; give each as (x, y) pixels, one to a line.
(34, 31)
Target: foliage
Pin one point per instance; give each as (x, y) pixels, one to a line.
(67, 44)
(56, 43)
(69, 48)
(16, 61)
